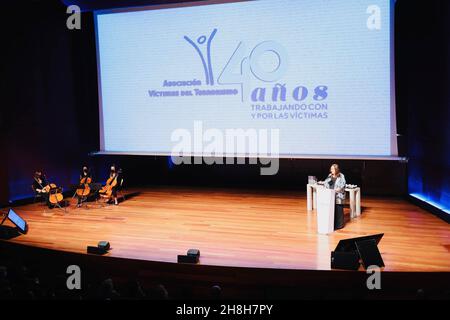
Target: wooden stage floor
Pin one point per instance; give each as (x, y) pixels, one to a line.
(238, 228)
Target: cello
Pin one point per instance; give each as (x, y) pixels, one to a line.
(107, 189)
(84, 189)
(54, 192)
(55, 195)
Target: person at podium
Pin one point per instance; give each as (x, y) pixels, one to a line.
(336, 181)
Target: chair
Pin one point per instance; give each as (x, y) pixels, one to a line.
(37, 195)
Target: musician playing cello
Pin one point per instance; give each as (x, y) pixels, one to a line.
(40, 185)
(84, 190)
(40, 182)
(109, 191)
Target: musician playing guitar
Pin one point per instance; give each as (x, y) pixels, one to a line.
(51, 193)
(109, 190)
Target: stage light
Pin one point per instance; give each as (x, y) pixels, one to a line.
(430, 202)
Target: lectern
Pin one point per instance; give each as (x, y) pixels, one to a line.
(325, 210)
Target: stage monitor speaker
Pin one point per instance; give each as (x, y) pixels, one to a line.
(7, 232)
(194, 252)
(187, 259)
(96, 250)
(192, 256)
(369, 253)
(104, 245)
(17, 220)
(345, 260)
(349, 252)
(101, 248)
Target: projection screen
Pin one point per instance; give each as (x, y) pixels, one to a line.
(320, 73)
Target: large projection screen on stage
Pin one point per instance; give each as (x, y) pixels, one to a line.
(320, 72)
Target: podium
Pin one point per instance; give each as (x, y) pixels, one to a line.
(325, 210)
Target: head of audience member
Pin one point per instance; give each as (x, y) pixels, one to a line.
(216, 292)
(107, 290)
(159, 292)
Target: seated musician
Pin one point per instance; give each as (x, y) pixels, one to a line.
(85, 178)
(40, 185)
(40, 182)
(109, 191)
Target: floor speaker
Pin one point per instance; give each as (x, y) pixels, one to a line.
(96, 250)
(187, 259)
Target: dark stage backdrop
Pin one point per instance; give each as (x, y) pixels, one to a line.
(423, 48)
(50, 109)
(4, 190)
(49, 90)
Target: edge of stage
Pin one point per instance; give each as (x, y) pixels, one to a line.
(258, 237)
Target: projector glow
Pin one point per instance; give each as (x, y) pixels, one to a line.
(319, 71)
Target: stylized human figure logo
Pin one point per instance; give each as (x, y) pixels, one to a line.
(207, 65)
